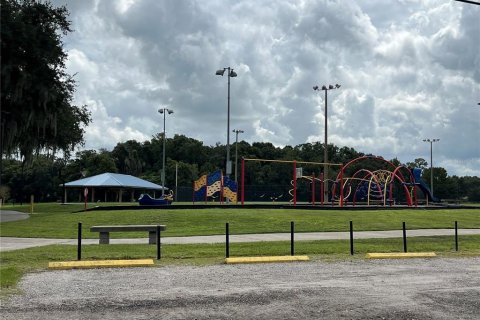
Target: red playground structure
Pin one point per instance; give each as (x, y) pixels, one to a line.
(367, 180)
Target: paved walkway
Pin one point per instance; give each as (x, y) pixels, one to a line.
(10, 243)
(8, 215)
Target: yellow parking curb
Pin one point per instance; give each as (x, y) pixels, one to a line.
(400, 255)
(64, 265)
(266, 259)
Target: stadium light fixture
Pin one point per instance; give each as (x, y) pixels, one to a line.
(164, 111)
(230, 74)
(325, 152)
(431, 141)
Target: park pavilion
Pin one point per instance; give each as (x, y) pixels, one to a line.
(107, 186)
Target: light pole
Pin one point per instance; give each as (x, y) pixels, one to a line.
(431, 141)
(325, 152)
(164, 111)
(230, 74)
(236, 152)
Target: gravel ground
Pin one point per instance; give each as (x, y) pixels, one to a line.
(436, 288)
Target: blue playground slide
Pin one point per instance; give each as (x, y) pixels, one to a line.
(417, 172)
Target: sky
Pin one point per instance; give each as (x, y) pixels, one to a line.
(409, 70)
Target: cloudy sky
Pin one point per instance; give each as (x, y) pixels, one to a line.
(408, 70)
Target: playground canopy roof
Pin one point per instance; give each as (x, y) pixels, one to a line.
(114, 180)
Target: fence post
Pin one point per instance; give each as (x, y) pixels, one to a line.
(227, 241)
(292, 240)
(456, 236)
(404, 238)
(79, 246)
(351, 238)
(159, 254)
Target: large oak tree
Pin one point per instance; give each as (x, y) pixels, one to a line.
(37, 113)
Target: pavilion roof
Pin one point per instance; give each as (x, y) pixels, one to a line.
(114, 180)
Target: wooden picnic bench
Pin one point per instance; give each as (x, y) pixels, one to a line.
(105, 231)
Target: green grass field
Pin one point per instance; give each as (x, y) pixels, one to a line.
(60, 221)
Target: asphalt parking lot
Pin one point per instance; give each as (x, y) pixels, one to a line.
(437, 288)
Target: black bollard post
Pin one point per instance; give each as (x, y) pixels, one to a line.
(456, 236)
(292, 239)
(404, 238)
(79, 246)
(351, 238)
(227, 241)
(159, 254)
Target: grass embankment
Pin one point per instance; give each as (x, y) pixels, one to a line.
(15, 264)
(60, 221)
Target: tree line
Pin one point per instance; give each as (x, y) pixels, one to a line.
(187, 159)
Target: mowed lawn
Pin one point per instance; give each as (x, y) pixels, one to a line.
(61, 221)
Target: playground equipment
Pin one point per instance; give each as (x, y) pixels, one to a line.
(312, 180)
(422, 185)
(378, 186)
(213, 185)
(297, 174)
(147, 200)
(367, 180)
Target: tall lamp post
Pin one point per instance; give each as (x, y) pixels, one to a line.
(325, 152)
(236, 152)
(431, 141)
(164, 111)
(230, 74)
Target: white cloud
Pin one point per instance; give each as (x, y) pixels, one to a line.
(409, 70)
(106, 128)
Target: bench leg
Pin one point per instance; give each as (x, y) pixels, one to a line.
(104, 238)
(152, 237)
